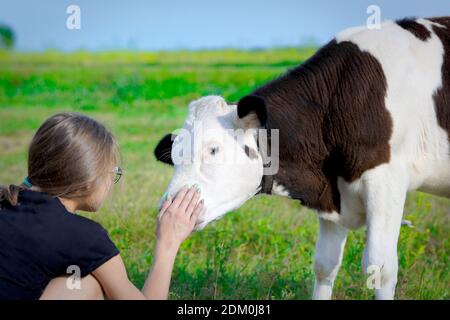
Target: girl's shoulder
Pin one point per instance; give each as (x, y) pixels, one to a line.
(50, 232)
(31, 199)
(45, 204)
(43, 216)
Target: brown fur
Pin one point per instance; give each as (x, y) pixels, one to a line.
(332, 122)
(442, 96)
(417, 29)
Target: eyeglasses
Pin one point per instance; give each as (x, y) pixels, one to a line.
(118, 172)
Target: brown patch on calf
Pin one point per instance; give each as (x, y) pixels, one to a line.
(332, 122)
(416, 28)
(442, 96)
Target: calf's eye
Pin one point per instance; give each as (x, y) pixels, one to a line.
(214, 150)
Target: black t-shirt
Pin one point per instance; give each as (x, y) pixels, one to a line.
(40, 239)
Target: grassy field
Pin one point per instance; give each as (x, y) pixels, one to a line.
(265, 249)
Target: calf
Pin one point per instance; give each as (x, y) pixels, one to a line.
(359, 124)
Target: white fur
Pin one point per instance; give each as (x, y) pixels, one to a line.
(227, 179)
(279, 190)
(419, 155)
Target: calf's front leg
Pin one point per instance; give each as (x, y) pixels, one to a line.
(384, 196)
(329, 250)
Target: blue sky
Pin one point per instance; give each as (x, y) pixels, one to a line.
(195, 24)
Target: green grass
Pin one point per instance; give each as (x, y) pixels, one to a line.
(264, 249)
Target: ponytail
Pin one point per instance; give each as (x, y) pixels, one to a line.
(10, 193)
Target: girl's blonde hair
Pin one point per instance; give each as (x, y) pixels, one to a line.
(70, 156)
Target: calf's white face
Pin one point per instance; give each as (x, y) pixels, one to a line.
(214, 152)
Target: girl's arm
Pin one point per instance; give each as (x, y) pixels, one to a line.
(176, 222)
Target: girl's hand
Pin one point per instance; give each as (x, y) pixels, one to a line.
(178, 217)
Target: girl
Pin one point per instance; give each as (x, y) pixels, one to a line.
(72, 165)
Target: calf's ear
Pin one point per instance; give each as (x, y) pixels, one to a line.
(163, 151)
(252, 111)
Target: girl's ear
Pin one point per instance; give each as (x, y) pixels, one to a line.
(163, 151)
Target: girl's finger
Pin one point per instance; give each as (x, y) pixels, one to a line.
(186, 200)
(191, 206)
(164, 207)
(196, 213)
(179, 197)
